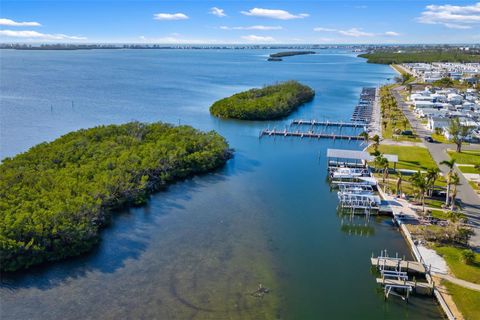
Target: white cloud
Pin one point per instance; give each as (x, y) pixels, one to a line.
(257, 27)
(254, 38)
(356, 32)
(454, 17)
(170, 16)
(26, 34)
(328, 40)
(176, 38)
(217, 12)
(392, 34)
(457, 26)
(274, 14)
(11, 23)
(320, 29)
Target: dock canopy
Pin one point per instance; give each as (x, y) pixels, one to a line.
(358, 155)
(349, 154)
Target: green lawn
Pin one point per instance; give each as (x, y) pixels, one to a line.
(466, 156)
(474, 185)
(468, 169)
(466, 300)
(434, 203)
(412, 158)
(453, 257)
(440, 138)
(439, 214)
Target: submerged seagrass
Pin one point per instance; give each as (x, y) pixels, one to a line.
(55, 197)
(270, 102)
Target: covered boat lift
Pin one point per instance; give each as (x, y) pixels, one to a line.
(354, 158)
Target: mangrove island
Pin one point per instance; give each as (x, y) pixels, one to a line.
(55, 197)
(267, 103)
(279, 55)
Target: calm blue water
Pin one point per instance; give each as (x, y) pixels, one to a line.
(198, 250)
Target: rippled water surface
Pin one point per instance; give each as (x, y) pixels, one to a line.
(198, 250)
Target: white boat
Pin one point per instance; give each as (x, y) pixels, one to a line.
(348, 173)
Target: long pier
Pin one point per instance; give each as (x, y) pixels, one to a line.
(309, 134)
(340, 124)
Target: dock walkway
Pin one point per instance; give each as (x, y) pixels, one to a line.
(308, 134)
(390, 264)
(358, 124)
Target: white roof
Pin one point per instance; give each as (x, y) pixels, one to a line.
(357, 155)
(348, 154)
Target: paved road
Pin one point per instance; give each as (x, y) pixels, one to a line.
(469, 200)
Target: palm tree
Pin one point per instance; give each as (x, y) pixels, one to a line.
(432, 176)
(419, 182)
(399, 183)
(376, 142)
(450, 164)
(384, 164)
(364, 134)
(455, 181)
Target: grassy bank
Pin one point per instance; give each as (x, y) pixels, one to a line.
(461, 270)
(467, 301)
(412, 158)
(466, 156)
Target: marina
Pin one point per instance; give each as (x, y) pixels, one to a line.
(329, 123)
(361, 119)
(273, 196)
(309, 134)
(363, 110)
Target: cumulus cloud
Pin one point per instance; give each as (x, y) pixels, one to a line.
(392, 34)
(320, 29)
(450, 16)
(356, 32)
(27, 34)
(175, 38)
(170, 16)
(217, 12)
(254, 38)
(12, 23)
(274, 14)
(257, 27)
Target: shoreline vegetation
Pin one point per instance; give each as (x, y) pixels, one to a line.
(56, 197)
(267, 103)
(426, 56)
(279, 55)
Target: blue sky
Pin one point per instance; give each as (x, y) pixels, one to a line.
(233, 22)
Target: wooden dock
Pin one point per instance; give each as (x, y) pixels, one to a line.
(419, 287)
(308, 134)
(340, 124)
(397, 264)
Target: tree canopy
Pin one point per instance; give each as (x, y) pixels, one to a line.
(270, 102)
(55, 197)
(427, 56)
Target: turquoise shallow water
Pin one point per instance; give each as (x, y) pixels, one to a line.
(199, 249)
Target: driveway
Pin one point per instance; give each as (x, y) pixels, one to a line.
(466, 195)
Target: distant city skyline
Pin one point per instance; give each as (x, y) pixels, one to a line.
(240, 22)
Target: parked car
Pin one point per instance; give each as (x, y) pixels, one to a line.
(429, 139)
